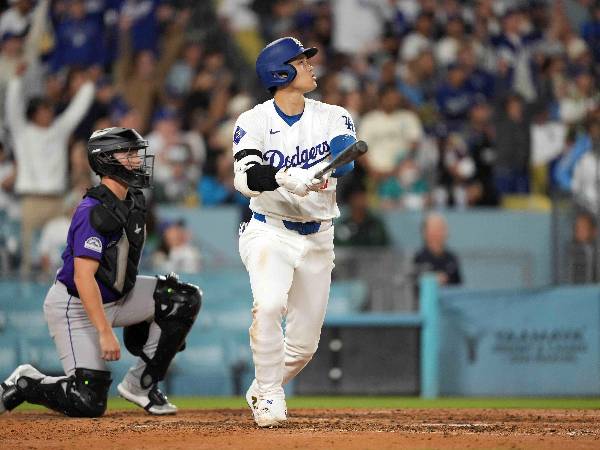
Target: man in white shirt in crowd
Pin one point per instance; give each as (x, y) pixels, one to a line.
(392, 133)
(41, 151)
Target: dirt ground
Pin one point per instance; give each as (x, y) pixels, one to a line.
(309, 429)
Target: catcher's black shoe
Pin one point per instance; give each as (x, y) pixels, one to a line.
(8, 385)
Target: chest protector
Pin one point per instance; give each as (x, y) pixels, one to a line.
(124, 221)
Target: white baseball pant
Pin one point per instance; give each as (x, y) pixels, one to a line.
(290, 276)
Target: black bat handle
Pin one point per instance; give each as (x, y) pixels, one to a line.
(354, 151)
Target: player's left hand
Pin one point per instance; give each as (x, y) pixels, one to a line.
(318, 184)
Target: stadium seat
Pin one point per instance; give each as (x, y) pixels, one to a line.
(201, 369)
(347, 296)
(40, 352)
(9, 355)
(532, 202)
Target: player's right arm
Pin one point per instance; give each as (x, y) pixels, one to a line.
(89, 294)
(88, 248)
(251, 176)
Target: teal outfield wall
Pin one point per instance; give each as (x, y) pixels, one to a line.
(530, 342)
(543, 342)
(217, 359)
(497, 248)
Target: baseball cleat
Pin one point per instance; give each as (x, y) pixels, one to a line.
(153, 400)
(253, 397)
(270, 412)
(22, 370)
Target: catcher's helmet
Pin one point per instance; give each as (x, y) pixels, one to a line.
(272, 65)
(104, 143)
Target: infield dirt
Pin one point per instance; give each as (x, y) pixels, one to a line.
(309, 429)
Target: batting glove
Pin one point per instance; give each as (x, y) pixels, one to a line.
(318, 184)
(294, 180)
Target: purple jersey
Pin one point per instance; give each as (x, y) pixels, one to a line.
(84, 241)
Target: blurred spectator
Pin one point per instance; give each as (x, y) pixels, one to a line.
(54, 235)
(79, 38)
(392, 133)
(206, 104)
(454, 97)
(243, 23)
(420, 39)
(407, 188)
(590, 31)
(166, 137)
(457, 174)
(586, 175)
(140, 76)
(583, 250)
(577, 12)
(16, 19)
(446, 49)
(81, 173)
(418, 83)
(513, 147)
(434, 256)
(20, 51)
(125, 116)
(221, 138)
(358, 24)
(41, 152)
(581, 143)
(548, 139)
(581, 97)
(514, 47)
(176, 252)
(101, 108)
(144, 16)
(360, 227)
(181, 74)
(479, 136)
(218, 189)
(179, 185)
(8, 202)
(479, 81)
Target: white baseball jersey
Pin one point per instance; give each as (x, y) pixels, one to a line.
(305, 144)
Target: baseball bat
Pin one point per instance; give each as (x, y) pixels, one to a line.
(350, 153)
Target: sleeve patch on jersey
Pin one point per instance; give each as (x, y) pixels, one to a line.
(94, 244)
(238, 135)
(349, 123)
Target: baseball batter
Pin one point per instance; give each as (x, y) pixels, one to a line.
(287, 247)
(98, 288)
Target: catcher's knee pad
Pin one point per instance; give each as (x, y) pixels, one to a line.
(177, 305)
(83, 394)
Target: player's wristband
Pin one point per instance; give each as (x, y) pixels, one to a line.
(261, 178)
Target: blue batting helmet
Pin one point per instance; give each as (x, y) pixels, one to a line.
(272, 65)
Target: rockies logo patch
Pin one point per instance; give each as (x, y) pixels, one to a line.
(94, 244)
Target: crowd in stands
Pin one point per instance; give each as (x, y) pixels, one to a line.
(462, 103)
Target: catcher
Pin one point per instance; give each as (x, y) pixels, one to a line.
(98, 288)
